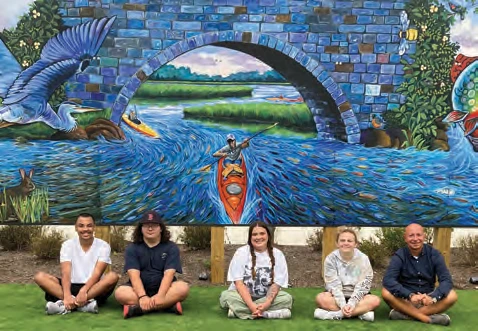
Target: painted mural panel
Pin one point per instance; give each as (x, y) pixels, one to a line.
(225, 112)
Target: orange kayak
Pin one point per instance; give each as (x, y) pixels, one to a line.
(232, 191)
(142, 128)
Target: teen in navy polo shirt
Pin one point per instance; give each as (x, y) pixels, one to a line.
(409, 283)
(151, 262)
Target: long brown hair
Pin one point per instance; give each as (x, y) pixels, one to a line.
(269, 248)
(138, 238)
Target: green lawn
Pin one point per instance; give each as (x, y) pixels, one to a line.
(22, 309)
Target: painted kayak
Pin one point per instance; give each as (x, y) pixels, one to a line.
(142, 128)
(284, 99)
(232, 190)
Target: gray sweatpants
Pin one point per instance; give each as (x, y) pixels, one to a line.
(231, 299)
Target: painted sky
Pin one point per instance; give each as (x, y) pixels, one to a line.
(224, 62)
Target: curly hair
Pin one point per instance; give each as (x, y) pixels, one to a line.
(137, 236)
(269, 248)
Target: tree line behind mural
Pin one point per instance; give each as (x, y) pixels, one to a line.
(432, 89)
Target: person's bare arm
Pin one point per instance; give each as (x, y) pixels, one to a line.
(145, 302)
(66, 285)
(246, 296)
(100, 268)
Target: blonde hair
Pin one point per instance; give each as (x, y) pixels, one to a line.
(346, 230)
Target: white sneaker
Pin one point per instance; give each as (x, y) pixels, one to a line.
(322, 314)
(56, 308)
(90, 307)
(369, 316)
(230, 314)
(277, 314)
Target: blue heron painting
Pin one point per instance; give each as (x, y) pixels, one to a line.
(26, 93)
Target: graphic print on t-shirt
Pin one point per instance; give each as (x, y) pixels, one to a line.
(259, 286)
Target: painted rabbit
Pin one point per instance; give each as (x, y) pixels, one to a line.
(23, 190)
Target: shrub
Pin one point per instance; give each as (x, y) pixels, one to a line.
(18, 237)
(196, 237)
(315, 240)
(47, 244)
(375, 252)
(469, 250)
(118, 242)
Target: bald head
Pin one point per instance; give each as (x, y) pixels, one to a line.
(414, 237)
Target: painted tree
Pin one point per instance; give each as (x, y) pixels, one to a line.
(33, 30)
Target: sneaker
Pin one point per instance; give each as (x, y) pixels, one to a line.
(230, 314)
(277, 314)
(90, 307)
(177, 308)
(132, 311)
(440, 319)
(56, 308)
(369, 316)
(322, 314)
(396, 315)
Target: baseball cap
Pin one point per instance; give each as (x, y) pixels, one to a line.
(150, 217)
(230, 136)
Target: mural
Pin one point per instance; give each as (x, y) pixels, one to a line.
(225, 112)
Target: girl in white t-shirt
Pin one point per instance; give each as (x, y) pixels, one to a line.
(257, 273)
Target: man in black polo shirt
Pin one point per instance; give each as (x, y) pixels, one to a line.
(409, 283)
(151, 262)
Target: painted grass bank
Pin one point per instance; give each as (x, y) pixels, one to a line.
(292, 116)
(24, 310)
(40, 130)
(188, 91)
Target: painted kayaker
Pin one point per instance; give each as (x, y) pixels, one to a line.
(133, 117)
(232, 154)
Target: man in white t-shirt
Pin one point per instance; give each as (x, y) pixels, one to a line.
(83, 261)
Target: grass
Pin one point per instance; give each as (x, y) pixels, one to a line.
(174, 90)
(32, 209)
(40, 130)
(24, 310)
(294, 116)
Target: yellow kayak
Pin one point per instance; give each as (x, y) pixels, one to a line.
(142, 128)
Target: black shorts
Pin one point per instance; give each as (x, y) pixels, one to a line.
(150, 290)
(75, 288)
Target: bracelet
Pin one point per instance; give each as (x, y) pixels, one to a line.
(142, 297)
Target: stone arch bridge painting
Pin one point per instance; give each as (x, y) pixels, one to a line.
(229, 111)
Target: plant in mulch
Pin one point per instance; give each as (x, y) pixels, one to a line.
(315, 240)
(47, 244)
(468, 246)
(196, 237)
(13, 238)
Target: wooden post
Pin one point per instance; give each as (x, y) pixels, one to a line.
(217, 255)
(442, 242)
(103, 232)
(328, 243)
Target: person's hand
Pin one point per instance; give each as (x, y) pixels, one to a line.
(146, 303)
(81, 298)
(347, 310)
(158, 300)
(416, 299)
(264, 306)
(427, 300)
(69, 302)
(255, 310)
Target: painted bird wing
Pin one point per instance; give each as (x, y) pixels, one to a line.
(9, 69)
(60, 59)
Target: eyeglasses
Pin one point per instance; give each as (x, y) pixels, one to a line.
(152, 226)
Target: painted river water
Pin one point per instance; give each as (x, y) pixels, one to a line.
(291, 180)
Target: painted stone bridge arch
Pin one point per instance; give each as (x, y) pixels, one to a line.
(327, 102)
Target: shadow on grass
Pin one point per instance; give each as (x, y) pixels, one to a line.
(22, 309)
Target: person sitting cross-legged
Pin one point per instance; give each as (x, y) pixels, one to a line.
(83, 260)
(409, 282)
(348, 276)
(257, 273)
(151, 262)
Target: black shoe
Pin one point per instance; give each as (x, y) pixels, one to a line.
(132, 311)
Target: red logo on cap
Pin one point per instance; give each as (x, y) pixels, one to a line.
(150, 217)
